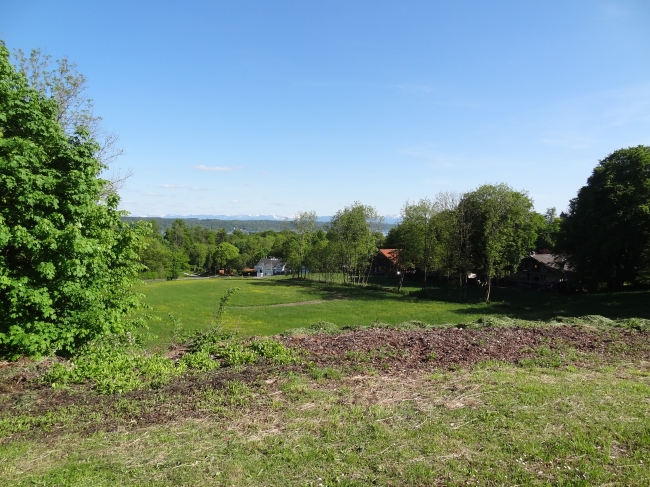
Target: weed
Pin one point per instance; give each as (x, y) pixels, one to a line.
(357, 356)
(273, 351)
(234, 354)
(200, 360)
(113, 364)
(317, 373)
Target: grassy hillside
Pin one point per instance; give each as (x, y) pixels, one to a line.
(531, 404)
(254, 311)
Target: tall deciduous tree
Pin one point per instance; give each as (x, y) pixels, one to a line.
(502, 231)
(606, 232)
(224, 253)
(67, 262)
(61, 82)
(352, 236)
(419, 235)
(304, 224)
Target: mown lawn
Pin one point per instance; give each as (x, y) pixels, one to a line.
(252, 310)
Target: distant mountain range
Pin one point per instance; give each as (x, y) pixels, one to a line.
(390, 219)
(246, 223)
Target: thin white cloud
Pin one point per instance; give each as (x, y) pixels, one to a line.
(217, 168)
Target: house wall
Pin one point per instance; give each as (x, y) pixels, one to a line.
(533, 274)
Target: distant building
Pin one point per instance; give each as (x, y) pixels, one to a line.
(385, 262)
(540, 271)
(270, 267)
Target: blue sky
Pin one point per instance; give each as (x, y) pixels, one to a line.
(261, 107)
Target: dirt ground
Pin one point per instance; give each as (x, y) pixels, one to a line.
(394, 354)
(444, 347)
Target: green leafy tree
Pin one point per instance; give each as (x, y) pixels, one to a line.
(61, 82)
(419, 231)
(67, 262)
(548, 229)
(304, 224)
(502, 231)
(155, 257)
(353, 240)
(223, 254)
(178, 263)
(606, 232)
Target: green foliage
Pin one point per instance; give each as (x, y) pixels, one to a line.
(67, 261)
(200, 360)
(177, 265)
(501, 229)
(419, 236)
(223, 254)
(113, 364)
(353, 241)
(606, 232)
(234, 354)
(221, 308)
(208, 347)
(548, 229)
(273, 351)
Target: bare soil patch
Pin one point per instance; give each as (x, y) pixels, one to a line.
(398, 356)
(401, 349)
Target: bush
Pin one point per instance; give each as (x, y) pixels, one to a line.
(67, 261)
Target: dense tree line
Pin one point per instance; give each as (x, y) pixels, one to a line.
(486, 231)
(193, 249)
(343, 252)
(246, 226)
(605, 233)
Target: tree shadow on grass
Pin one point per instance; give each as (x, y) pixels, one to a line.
(535, 305)
(339, 290)
(514, 303)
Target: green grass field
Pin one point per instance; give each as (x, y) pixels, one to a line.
(495, 424)
(562, 416)
(252, 310)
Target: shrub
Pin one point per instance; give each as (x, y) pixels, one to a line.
(67, 261)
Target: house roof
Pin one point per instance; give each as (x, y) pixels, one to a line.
(390, 254)
(551, 260)
(271, 262)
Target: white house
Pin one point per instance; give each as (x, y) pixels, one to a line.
(270, 267)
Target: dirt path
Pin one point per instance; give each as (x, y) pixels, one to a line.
(298, 303)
